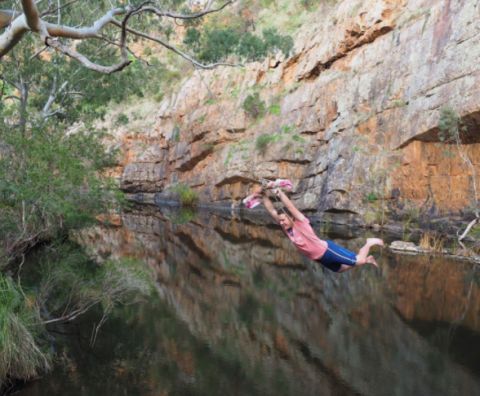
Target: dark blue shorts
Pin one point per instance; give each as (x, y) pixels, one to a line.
(337, 255)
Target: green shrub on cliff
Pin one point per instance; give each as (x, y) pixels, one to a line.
(263, 141)
(217, 44)
(254, 106)
(449, 126)
(186, 195)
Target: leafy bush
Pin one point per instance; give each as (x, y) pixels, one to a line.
(20, 355)
(254, 106)
(217, 44)
(277, 42)
(49, 183)
(186, 195)
(176, 133)
(449, 125)
(371, 197)
(263, 141)
(66, 284)
(122, 119)
(274, 109)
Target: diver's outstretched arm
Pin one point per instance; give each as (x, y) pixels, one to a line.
(269, 206)
(289, 205)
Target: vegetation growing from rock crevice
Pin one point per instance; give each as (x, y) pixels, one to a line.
(186, 195)
(451, 131)
(254, 106)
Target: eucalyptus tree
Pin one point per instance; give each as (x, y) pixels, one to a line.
(50, 51)
(111, 25)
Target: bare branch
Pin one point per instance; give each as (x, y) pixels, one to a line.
(469, 227)
(12, 97)
(50, 32)
(13, 35)
(54, 11)
(177, 51)
(32, 15)
(93, 31)
(6, 17)
(84, 60)
(194, 15)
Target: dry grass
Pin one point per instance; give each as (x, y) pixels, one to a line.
(432, 241)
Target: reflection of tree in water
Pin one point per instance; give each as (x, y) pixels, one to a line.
(167, 360)
(57, 285)
(342, 334)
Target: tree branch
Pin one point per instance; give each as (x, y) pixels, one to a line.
(32, 15)
(55, 43)
(56, 30)
(7, 16)
(13, 35)
(176, 50)
(194, 15)
(31, 20)
(469, 227)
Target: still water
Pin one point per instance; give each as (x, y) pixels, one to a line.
(238, 312)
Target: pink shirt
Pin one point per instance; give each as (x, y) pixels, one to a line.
(305, 239)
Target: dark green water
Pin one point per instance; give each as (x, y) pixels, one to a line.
(238, 312)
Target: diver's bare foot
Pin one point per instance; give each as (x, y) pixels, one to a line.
(375, 241)
(371, 260)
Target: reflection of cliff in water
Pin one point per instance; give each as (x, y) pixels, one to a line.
(241, 284)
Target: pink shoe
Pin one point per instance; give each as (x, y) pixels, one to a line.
(252, 201)
(284, 184)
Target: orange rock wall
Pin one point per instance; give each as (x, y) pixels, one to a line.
(435, 173)
(356, 120)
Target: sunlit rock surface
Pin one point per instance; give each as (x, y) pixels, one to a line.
(354, 113)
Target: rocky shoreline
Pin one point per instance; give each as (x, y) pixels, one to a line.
(395, 232)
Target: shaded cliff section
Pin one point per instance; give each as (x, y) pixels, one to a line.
(352, 117)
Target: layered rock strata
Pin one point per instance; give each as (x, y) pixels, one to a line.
(352, 118)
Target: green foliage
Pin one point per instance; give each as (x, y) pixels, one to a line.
(211, 101)
(449, 126)
(20, 354)
(263, 141)
(274, 109)
(176, 133)
(399, 103)
(309, 4)
(275, 41)
(241, 147)
(192, 39)
(297, 138)
(218, 43)
(186, 195)
(286, 128)
(70, 282)
(254, 106)
(64, 283)
(183, 216)
(122, 119)
(371, 197)
(49, 183)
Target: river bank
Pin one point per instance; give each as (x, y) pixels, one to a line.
(429, 235)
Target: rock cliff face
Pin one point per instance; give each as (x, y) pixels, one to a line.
(352, 117)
